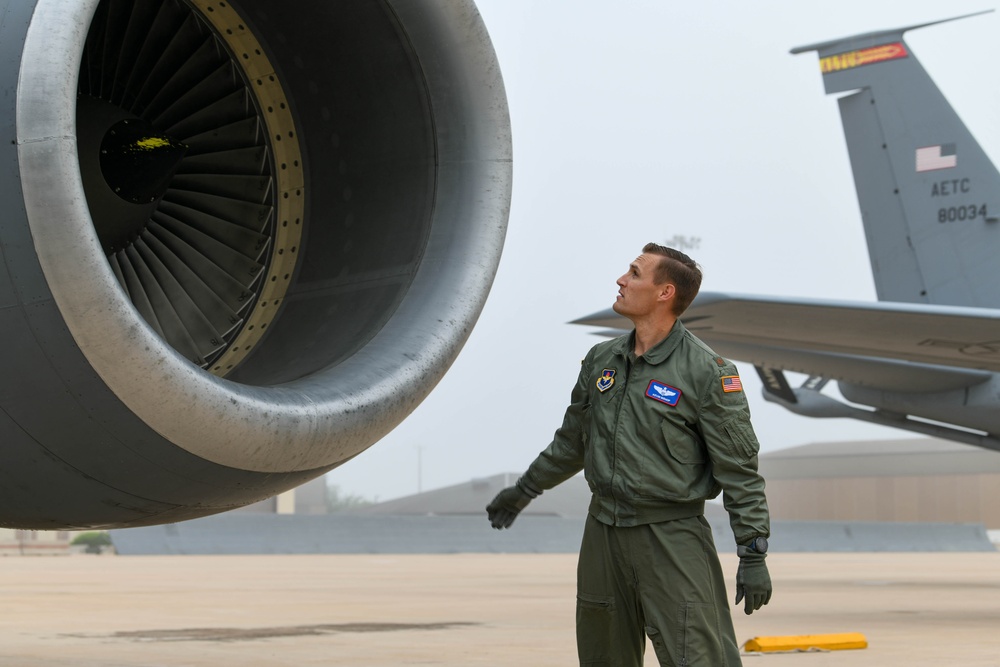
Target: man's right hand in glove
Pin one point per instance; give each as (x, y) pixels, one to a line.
(503, 509)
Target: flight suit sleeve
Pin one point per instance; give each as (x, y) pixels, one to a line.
(732, 448)
(563, 458)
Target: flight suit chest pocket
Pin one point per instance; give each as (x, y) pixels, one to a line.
(674, 465)
(610, 395)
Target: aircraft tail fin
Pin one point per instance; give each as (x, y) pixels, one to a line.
(929, 194)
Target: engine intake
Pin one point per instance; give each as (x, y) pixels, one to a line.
(243, 241)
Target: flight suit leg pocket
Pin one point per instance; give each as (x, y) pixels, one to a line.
(697, 641)
(595, 628)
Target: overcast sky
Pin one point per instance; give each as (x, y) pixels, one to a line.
(644, 120)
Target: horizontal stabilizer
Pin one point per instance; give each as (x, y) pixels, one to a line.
(876, 37)
(846, 62)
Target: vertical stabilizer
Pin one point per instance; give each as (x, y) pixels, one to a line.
(929, 195)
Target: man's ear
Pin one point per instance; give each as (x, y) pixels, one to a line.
(667, 292)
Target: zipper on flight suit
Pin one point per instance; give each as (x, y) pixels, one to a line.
(623, 396)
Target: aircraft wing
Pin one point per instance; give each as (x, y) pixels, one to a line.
(892, 346)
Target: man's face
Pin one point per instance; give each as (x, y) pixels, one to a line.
(638, 293)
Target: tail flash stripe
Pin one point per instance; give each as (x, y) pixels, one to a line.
(859, 57)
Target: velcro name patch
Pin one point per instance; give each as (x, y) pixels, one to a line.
(663, 393)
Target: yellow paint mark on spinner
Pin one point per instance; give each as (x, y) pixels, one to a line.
(834, 642)
(150, 143)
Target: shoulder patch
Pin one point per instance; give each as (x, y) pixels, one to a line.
(607, 380)
(731, 383)
(720, 362)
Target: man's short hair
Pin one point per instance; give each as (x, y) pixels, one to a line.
(679, 270)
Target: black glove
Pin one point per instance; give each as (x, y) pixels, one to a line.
(752, 580)
(503, 509)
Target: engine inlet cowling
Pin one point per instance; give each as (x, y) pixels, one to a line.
(254, 235)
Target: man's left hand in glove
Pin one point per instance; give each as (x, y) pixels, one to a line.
(753, 583)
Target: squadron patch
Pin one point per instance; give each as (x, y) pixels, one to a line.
(663, 393)
(731, 383)
(606, 381)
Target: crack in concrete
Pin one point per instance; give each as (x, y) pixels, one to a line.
(245, 634)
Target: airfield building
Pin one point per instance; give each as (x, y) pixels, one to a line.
(914, 479)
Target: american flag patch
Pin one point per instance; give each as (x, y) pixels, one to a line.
(731, 383)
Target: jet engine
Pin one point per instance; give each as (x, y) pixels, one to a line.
(241, 241)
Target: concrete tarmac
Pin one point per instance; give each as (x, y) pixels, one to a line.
(458, 610)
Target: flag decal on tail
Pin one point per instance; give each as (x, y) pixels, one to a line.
(930, 158)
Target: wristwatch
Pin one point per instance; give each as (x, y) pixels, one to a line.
(757, 545)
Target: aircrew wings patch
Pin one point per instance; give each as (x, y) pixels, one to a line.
(731, 383)
(663, 393)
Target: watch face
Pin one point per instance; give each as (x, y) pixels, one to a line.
(759, 545)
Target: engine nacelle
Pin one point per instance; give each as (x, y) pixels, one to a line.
(243, 239)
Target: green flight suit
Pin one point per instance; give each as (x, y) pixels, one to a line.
(656, 436)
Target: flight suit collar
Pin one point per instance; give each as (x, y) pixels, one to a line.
(656, 354)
